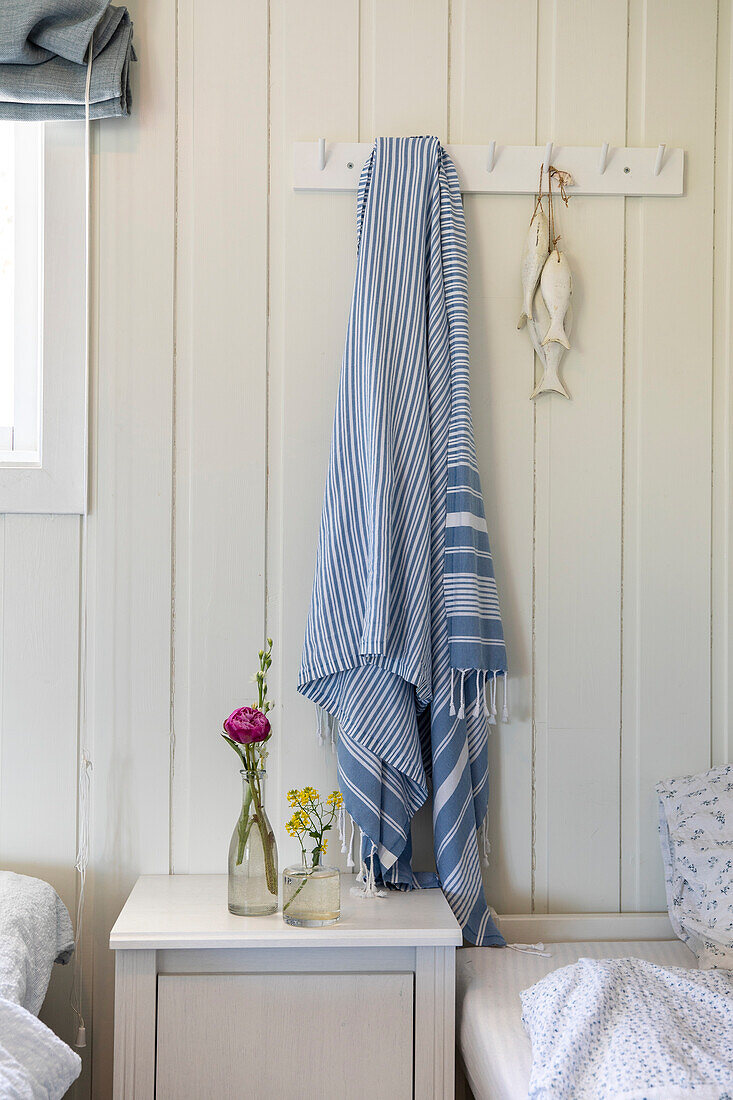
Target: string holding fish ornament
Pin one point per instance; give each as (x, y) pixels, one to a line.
(547, 287)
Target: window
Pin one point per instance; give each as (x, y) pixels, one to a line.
(20, 208)
(42, 318)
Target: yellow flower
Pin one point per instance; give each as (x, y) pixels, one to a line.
(335, 800)
(298, 822)
(324, 843)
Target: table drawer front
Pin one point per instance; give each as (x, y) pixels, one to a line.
(270, 1035)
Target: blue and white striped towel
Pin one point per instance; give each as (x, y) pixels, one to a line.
(404, 639)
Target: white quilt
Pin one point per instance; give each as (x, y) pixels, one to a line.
(34, 1063)
(625, 1028)
(35, 931)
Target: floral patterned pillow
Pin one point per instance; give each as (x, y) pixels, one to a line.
(696, 833)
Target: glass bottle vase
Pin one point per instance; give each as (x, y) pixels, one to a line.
(253, 877)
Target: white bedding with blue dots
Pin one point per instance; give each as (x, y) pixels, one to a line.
(696, 833)
(626, 1028)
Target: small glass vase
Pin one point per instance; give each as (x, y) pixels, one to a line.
(311, 895)
(253, 853)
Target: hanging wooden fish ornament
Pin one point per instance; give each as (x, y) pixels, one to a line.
(547, 287)
(551, 354)
(536, 247)
(556, 284)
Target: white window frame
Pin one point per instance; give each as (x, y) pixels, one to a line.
(54, 478)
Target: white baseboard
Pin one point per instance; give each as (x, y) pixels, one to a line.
(580, 927)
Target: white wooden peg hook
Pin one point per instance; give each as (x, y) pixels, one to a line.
(491, 158)
(604, 158)
(547, 162)
(321, 153)
(660, 158)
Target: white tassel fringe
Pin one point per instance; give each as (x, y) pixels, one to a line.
(366, 886)
(350, 856)
(484, 845)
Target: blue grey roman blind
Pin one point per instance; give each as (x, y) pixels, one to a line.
(44, 55)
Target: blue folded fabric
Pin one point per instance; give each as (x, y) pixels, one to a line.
(44, 52)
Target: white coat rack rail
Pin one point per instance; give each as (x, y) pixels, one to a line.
(509, 169)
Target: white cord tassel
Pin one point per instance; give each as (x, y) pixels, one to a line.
(350, 856)
(341, 819)
(531, 949)
(366, 887)
(452, 711)
(332, 728)
(477, 707)
(82, 861)
(85, 765)
(362, 872)
(319, 724)
(492, 701)
(462, 707)
(487, 712)
(505, 708)
(483, 842)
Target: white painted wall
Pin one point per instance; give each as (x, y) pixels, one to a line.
(220, 309)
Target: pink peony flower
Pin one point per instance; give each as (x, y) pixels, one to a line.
(247, 725)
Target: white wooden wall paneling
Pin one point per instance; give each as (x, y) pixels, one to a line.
(38, 655)
(129, 547)
(722, 559)
(314, 90)
(667, 455)
(221, 375)
(404, 68)
(492, 102)
(578, 487)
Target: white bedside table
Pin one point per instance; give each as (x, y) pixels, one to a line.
(209, 1005)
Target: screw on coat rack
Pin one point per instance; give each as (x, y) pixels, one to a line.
(601, 169)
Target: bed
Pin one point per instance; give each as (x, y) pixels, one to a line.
(494, 1050)
(621, 1018)
(35, 932)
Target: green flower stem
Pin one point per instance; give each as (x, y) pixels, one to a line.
(306, 878)
(255, 797)
(270, 875)
(244, 824)
(252, 813)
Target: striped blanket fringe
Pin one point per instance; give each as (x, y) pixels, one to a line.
(404, 649)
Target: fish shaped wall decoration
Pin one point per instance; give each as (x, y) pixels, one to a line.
(534, 255)
(556, 284)
(547, 287)
(551, 354)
